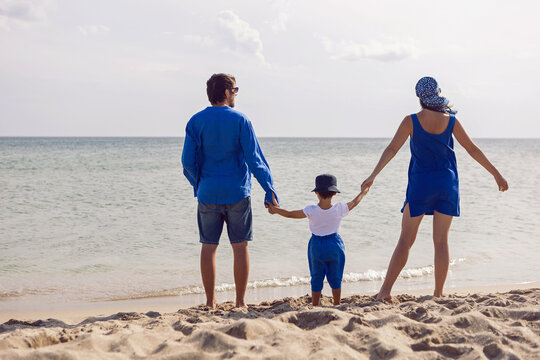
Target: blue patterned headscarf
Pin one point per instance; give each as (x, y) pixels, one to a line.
(428, 91)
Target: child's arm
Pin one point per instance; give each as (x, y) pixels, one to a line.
(352, 204)
(295, 214)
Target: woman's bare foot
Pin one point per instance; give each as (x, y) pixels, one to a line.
(383, 297)
(211, 306)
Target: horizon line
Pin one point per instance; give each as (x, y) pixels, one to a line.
(259, 137)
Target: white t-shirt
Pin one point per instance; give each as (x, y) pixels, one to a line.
(325, 222)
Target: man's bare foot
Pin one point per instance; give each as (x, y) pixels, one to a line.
(438, 295)
(241, 305)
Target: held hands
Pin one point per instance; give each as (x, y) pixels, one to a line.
(274, 203)
(272, 207)
(366, 185)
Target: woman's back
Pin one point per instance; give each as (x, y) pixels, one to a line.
(433, 122)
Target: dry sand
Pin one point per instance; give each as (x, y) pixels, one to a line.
(466, 326)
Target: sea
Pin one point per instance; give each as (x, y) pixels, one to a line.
(88, 221)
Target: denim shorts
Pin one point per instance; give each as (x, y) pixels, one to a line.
(237, 216)
(326, 256)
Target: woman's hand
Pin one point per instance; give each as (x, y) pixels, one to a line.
(501, 182)
(367, 183)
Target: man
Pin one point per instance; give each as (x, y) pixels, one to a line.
(220, 153)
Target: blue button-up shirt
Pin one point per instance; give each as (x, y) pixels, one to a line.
(220, 153)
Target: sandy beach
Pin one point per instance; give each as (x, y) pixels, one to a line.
(489, 322)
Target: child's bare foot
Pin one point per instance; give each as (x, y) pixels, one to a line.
(336, 294)
(315, 298)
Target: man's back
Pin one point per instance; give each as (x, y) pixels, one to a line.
(224, 176)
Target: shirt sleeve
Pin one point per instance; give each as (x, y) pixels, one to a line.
(255, 160)
(189, 159)
(344, 209)
(308, 210)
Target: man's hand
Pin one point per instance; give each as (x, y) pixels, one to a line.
(274, 201)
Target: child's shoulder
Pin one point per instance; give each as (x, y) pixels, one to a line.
(310, 208)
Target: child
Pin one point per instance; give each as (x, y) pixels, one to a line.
(326, 252)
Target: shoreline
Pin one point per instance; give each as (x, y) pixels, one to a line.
(74, 313)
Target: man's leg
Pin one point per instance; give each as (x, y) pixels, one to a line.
(441, 227)
(210, 221)
(241, 271)
(208, 272)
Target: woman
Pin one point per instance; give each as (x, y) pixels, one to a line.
(433, 187)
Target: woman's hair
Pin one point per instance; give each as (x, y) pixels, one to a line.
(443, 109)
(216, 86)
(326, 194)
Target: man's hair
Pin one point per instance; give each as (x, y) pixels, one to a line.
(216, 85)
(326, 194)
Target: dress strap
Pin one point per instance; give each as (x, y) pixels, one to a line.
(415, 121)
(451, 123)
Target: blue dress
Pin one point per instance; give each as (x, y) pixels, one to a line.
(433, 177)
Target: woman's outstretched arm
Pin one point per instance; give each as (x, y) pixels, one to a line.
(477, 154)
(402, 133)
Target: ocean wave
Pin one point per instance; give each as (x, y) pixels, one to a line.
(369, 275)
(294, 280)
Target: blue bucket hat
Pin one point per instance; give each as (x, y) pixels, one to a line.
(428, 91)
(326, 182)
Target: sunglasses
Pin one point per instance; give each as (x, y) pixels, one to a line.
(235, 90)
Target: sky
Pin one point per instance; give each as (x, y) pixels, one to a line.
(305, 68)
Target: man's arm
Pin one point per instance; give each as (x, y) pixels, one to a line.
(189, 159)
(294, 214)
(256, 162)
(352, 204)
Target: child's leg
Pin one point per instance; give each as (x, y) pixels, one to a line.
(317, 270)
(336, 265)
(315, 298)
(336, 294)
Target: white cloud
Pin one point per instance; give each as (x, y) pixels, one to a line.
(93, 29)
(374, 50)
(238, 35)
(14, 13)
(198, 39)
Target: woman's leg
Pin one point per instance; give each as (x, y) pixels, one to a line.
(409, 229)
(441, 226)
